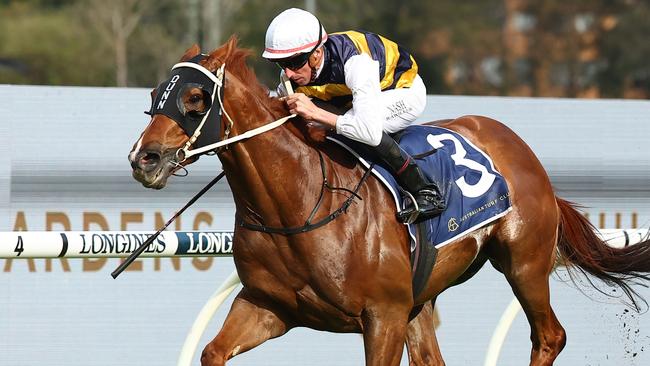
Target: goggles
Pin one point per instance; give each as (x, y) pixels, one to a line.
(294, 63)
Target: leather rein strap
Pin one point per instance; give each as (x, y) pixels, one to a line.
(309, 226)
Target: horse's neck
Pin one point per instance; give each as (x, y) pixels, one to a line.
(273, 176)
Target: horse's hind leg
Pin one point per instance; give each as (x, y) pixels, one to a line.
(547, 335)
(248, 324)
(421, 340)
(527, 264)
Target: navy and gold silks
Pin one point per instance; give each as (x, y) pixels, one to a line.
(397, 68)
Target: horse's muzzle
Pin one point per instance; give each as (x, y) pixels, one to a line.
(151, 168)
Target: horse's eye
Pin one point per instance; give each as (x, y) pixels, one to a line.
(195, 98)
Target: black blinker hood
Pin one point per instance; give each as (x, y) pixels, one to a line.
(168, 102)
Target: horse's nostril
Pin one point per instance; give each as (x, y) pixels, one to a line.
(147, 160)
(150, 158)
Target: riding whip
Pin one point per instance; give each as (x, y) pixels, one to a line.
(144, 245)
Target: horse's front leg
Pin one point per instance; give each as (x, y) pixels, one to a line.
(421, 341)
(384, 334)
(249, 323)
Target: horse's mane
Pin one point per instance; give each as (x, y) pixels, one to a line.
(235, 59)
(236, 64)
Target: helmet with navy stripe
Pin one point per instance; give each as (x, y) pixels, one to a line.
(292, 32)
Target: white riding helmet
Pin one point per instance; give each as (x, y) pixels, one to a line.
(292, 32)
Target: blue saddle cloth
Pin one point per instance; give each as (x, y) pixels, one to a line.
(474, 190)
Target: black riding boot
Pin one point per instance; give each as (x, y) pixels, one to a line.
(427, 195)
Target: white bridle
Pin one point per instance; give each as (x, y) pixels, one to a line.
(183, 153)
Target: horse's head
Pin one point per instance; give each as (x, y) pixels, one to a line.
(181, 106)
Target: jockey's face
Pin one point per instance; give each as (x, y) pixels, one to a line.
(303, 75)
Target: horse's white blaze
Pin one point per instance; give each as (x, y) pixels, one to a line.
(136, 150)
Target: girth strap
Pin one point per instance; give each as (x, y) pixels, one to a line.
(422, 259)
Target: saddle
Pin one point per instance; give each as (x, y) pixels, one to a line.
(475, 192)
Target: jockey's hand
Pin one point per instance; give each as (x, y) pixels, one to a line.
(301, 105)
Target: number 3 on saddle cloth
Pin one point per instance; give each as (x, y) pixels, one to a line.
(475, 192)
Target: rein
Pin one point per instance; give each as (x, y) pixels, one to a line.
(308, 226)
(218, 78)
(248, 134)
(183, 153)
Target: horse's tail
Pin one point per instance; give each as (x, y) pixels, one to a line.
(582, 249)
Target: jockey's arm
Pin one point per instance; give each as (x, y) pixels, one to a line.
(364, 122)
(302, 105)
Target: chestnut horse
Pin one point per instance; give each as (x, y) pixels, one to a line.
(353, 274)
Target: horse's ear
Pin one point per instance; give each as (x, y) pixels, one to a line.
(230, 45)
(191, 52)
(221, 54)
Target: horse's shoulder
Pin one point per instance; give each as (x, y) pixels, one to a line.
(338, 155)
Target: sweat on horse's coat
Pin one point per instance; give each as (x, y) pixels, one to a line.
(319, 279)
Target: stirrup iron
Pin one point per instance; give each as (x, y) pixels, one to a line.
(416, 209)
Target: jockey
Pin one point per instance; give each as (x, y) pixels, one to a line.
(376, 75)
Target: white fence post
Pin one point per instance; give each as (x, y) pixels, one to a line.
(204, 317)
